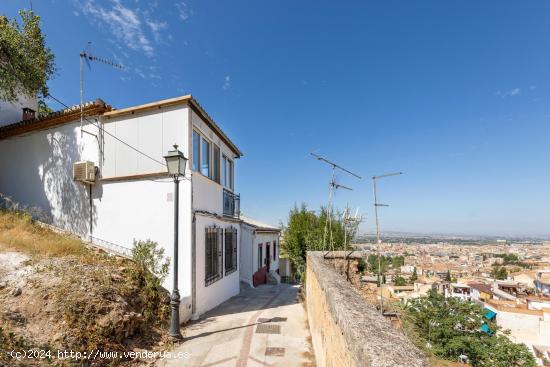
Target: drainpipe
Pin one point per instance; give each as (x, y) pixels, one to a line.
(194, 315)
(91, 212)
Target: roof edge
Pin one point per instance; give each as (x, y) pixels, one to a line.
(184, 100)
(94, 108)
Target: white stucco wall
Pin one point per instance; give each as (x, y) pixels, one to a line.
(144, 210)
(246, 258)
(37, 171)
(262, 239)
(525, 328)
(228, 286)
(207, 194)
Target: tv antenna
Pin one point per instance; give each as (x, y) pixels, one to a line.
(87, 56)
(376, 205)
(332, 187)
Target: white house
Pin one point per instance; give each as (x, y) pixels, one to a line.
(131, 197)
(459, 290)
(260, 250)
(528, 324)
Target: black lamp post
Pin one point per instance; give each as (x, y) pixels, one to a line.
(175, 162)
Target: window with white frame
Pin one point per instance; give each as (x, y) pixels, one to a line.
(210, 162)
(196, 150)
(205, 157)
(227, 172)
(230, 243)
(213, 254)
(216, 163)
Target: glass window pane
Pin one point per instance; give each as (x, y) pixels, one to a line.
(216, 164)
(196, 151)
(230, 174)
(224, 164)
(205, 158)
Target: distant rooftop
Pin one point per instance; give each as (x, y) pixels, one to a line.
(259, 225)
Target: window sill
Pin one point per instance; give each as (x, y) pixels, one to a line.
(230, 271)
(212, 280)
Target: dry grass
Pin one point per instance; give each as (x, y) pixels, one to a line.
(18, 232)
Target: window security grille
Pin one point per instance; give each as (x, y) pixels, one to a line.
(213, 258)
(230, 250)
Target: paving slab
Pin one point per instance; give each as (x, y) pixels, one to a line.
(227, 335)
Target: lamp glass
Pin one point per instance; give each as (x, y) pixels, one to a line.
(173, 164)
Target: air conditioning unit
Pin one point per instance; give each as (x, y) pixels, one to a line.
(84, 172)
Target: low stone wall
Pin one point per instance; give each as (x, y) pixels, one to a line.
(345, 330)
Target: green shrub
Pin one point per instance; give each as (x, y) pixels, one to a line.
(150, 271)
(361, 266)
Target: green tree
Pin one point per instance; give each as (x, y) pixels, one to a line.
(414, 276)
(499, 272)
(453, 327)
(305, 232)
(399, 281)
(397, 261)
(448, 276)
(26, 63)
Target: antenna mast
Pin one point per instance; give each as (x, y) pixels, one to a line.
(87, 56)
(332, 187)
(378, 241)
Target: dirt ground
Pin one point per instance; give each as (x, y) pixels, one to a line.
(67, 303)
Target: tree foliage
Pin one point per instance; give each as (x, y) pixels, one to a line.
(452, 327)
(399, 281)
(499, 272)
(26, 63)
(150, 271)
(305, 231)
(386, 262)
(414, 276)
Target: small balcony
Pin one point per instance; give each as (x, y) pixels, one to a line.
(231, 204)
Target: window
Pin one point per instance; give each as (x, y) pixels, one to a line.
(227, 172)
(230, 250)
(274, 250)
(260, 256)
(196, 150)
(205, 157)
(213, 252)
(216, 163)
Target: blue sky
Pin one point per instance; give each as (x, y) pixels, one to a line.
(453, 93)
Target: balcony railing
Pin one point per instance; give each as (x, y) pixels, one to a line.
(231, 204)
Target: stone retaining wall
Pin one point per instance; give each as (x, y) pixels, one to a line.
(345, 330)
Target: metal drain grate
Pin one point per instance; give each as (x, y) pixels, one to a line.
(262, 320)
(268, 329)
(275, 352)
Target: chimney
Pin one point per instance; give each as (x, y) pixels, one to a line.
(28, 114)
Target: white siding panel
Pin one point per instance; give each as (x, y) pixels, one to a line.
(152, 132)
(150, 142)
(127, 158)
(109, 151)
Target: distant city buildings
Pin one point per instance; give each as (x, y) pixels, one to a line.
(509, 279)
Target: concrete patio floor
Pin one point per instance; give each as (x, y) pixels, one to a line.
(265, 326)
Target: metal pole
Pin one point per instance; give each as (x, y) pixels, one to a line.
(82, 54)
(378, 244)
(175, 298)
(330, 193)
